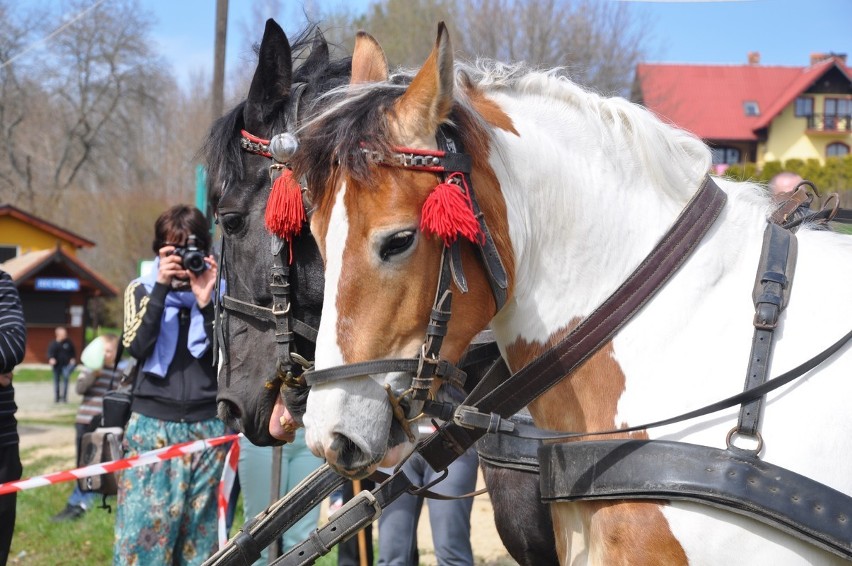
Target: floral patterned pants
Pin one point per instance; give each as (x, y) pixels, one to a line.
(166, 512)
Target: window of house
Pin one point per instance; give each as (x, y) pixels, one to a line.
(836, 149)
(725, 155)
(751, 108)
(8, 252)
(837, 111)
(804, 106)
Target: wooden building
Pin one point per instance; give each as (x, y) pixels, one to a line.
(55, 286)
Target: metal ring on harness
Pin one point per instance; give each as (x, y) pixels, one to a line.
(757, 435)
(399, 413)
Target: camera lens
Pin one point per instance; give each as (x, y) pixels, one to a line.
(194, 261)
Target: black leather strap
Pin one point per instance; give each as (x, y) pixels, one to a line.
(443, 369)
(244, 548)
(497, 276)
(771, 293)
(657, 469)
(479, 422)
(265, 314)
(360, 511)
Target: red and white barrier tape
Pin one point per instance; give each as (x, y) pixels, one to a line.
(144, 459)
(229, 474)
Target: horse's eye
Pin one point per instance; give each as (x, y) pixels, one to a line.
(396, 244)
(232, 222)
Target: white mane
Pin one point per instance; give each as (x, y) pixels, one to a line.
(616, 121)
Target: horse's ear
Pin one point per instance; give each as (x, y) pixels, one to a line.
(272, 78)
(369, 64)
(428, 101)
(319, 56)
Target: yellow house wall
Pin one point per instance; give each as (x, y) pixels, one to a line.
(787, 138)
(13, 232)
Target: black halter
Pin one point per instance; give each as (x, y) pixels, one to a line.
(290, 364)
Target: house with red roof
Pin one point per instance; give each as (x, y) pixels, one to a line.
(54, 284)
(755, 113)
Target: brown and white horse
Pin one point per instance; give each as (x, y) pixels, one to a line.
(576, 190)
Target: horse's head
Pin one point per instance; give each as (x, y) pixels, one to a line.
(251, 397)
(381, 267)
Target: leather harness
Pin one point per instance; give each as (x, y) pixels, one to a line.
(498, 395)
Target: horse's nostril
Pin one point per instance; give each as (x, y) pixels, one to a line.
(232, 409)
(348, 455)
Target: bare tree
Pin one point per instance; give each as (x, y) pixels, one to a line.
(17, 93)
(598, 43)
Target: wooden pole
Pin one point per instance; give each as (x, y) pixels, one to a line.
(219, 58)
(275, 495)
(362, 535)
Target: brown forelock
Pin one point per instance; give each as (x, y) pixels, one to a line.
(330, 144)
(587, 400)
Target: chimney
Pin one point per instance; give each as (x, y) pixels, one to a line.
(820, 57)
(754, 57)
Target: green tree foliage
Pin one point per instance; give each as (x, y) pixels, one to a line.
(833, 177)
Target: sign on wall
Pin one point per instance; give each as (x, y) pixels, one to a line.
(68, 284)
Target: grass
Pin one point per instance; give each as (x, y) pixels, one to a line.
(33, 375)
(39, 542)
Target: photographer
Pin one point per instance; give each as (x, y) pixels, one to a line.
(167, 512)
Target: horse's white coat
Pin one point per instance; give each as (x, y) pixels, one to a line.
(590, 185)
(585, 207)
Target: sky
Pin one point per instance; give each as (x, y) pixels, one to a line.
(784, 32)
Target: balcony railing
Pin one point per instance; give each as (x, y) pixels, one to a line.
(830, 123)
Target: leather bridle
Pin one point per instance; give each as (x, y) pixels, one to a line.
(454, 166)
(290, 364)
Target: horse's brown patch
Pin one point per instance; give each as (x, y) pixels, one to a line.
(614, 533)
(490, 111)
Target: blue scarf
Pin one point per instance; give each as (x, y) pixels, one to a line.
(164, 350)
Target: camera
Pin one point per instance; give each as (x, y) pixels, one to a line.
(191, 257)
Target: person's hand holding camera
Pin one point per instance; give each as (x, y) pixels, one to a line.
(171, 266)
(200, 282)
(203, 283)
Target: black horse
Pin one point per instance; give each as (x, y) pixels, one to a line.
(252, 396)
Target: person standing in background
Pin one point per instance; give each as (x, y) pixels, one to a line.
(13, 336)
(62, 358)
(449, 519)
(167, 512)
(92, 384)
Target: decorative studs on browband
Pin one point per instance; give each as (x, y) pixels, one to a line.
(285, 212)
(448, 210)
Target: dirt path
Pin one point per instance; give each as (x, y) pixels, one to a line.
(35, 402)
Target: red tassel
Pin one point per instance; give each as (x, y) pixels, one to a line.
(448, 213)
(285, 213)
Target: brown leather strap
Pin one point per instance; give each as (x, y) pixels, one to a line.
(595, 331)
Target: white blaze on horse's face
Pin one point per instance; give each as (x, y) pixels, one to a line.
(347, 421)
